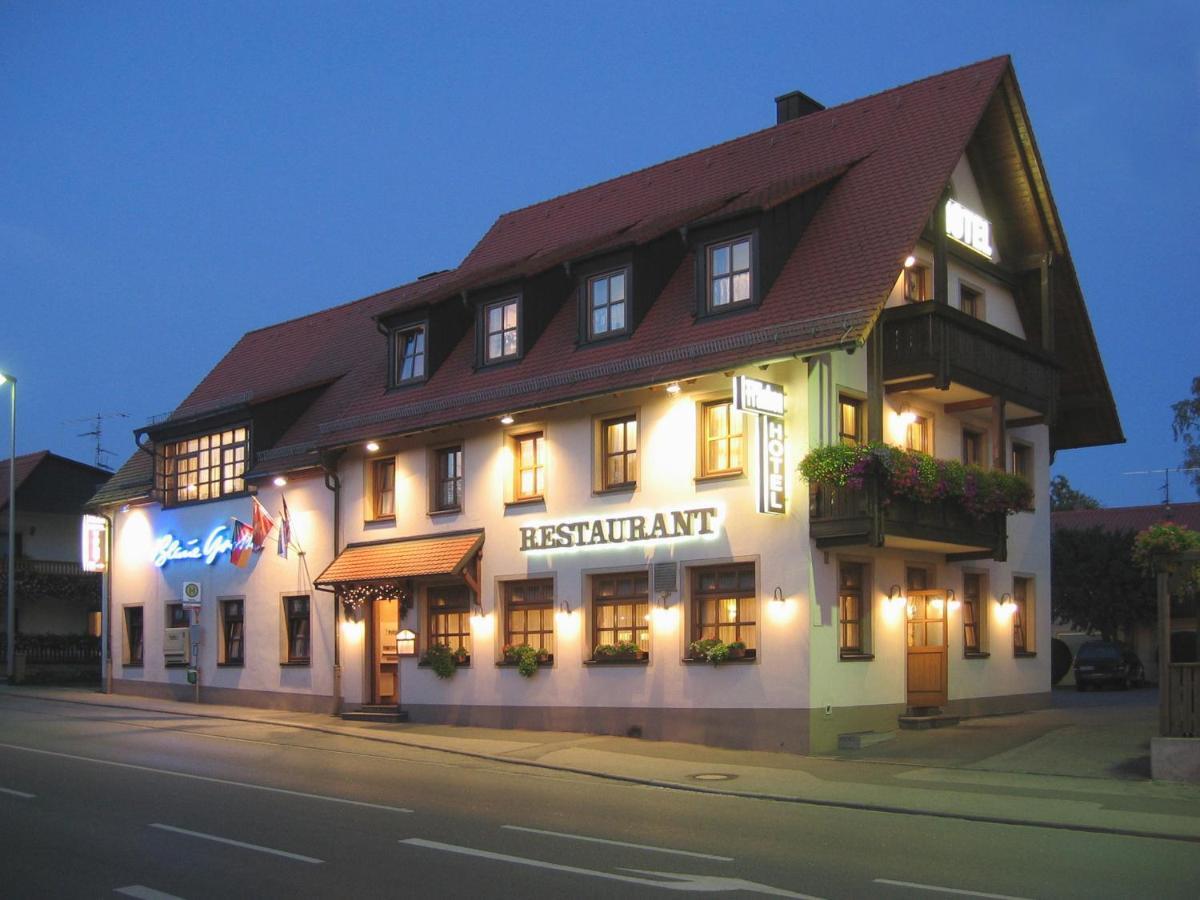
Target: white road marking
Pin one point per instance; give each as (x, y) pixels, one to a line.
(208, 778)
(144, 893)
(682, 882)
(596, 840)
(233, 843)
(17, 793)
(947, 890)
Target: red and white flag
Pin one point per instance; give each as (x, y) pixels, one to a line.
(285, 529)
(243, 540)
(263, 523)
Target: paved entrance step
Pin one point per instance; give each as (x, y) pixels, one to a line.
(857, 740)
(375, 713)
(923, 720)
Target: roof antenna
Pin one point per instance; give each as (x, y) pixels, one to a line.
(97, 423)
(1166, 485)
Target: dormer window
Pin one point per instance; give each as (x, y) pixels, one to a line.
(501, 323)
(730, 281)
(607, 303)
(409, 355)
(203, 467)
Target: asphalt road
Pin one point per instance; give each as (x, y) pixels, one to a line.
(95, 801)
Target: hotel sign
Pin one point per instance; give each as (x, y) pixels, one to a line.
(588, 534)
(969, 228)
(765, 399)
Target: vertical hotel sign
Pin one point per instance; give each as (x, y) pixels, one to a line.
(765, 401)
(93, 555)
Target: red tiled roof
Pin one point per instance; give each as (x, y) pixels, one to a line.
(885, 158)
(1128, 518)
(406, 558)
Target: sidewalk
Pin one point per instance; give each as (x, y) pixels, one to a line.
(1010, 769)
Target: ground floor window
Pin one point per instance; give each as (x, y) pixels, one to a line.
(233, 624)
(620, 608)
(529, 614)
(725, 605)
(972, 612)
(297, 629)
(1021, 619)
(133, 636)
(853, 609)
(450, 618)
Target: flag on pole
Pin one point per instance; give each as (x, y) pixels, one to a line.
(263, 523)
(243, 543)
(285, 529)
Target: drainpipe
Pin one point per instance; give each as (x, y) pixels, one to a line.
(105, 607)
(333, 483)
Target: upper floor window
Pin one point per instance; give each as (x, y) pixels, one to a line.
(970, 301)
(850, 420)
(972, 447)
(729, 273)
(918, 436)
(501, 324)
(1022, 461)
(916, 281)
(203, 468)
(447, 478)
(383, 488)
(607, 303)
(529, 469)
(410, 355)
(619, 452)
(722, 442)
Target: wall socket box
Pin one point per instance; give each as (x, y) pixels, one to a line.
(828, 709)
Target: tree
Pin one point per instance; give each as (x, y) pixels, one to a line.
(1095, 583)
(1063, 496)
(1186, 426)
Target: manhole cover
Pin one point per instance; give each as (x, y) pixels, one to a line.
(713, 776)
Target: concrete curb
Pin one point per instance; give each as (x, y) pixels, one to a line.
(629, 779)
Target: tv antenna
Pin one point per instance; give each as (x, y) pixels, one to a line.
(97, 423)
(1166, 474)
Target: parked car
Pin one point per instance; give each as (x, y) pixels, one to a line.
(1106, 662)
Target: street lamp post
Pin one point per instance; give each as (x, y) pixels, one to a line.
(10, 620)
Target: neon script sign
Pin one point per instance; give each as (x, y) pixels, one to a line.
(169, 548)
(587, 534)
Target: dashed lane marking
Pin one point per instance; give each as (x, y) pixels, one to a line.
(596, 840)
(216, 838)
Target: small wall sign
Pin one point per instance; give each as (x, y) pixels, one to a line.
(94, 546)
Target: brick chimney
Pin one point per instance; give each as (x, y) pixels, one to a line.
(793, 106)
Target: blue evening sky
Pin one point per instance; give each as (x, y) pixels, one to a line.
(175, 174)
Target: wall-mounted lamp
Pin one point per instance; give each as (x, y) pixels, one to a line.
(476, 606)
(1006, 600)
(564, 607)
(279, 481)
(909, 262)
(895, 595)
(778, 597)
(506, 419)
(952, 600)
(406, 643)
(673, 388)
(907, 416)
(372, 447)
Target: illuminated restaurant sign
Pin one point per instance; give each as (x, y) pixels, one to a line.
(588, 534)
(969, 228)
(765, 399)
(169, 548)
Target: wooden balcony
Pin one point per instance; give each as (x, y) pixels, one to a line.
(931, 345)
(866, 517)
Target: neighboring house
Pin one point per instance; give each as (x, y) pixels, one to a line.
(54, 595)
(543, 447)
(1134, 519)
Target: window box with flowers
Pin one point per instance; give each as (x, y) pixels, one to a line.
(444, 661)
(871, 491)
(716, 651)
(620, 652)
(526, 659)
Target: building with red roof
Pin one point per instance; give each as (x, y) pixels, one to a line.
(584, 440)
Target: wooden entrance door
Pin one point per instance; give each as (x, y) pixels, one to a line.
(927, 662)
(385, 622)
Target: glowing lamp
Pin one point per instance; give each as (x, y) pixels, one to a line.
(909, 262)
(406, 643)
(279, 481)
(907, 416)
(372, 447)
(673, 388)
(507, 419)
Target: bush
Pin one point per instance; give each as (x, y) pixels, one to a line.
(1164, 540)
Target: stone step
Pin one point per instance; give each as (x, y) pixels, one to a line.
(918, 723)
(857, 740)
(366, 715)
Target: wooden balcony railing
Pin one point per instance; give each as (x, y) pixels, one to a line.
(44, 567)
(866, 516)
(933, 340)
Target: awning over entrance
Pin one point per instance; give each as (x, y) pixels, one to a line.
(415, 557)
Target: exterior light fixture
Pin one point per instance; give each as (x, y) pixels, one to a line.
(507, 419)
(907, 416)
(1006, 601)
(564, 607)
(951, 600)
(372, 447)
(406, 643)
(673, 388)
(279, 481)
(909, 262)
(778, 596)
